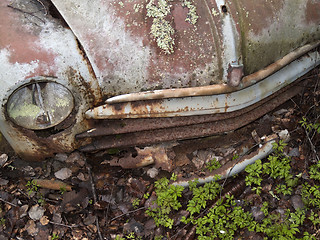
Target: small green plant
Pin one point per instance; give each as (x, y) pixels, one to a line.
(135, 202)
(310, 126)
(284, 189)
(130, 235)
(298, 216)
(264, 208)
(2, 221)
(201, 194)
(173, 177)
(54, 236)
(90, 201)
(311, 195)
(63, 190)
(278, 165)
(314, 171)
(213, 164)
(222, 220)
(314, 218)
(41, 200)
(32, 187)
(159, 237)
(167, 200)
(308, 236)
(146, 195)
(254, 177)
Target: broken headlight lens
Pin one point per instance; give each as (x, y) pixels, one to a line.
(40, 105)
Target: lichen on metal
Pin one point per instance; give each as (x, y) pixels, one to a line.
(192, 16)
(161, 28)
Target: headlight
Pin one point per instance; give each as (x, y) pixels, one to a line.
(40, 105)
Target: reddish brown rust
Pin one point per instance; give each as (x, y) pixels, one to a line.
(235, 73)
(112, 127)
(196, 130)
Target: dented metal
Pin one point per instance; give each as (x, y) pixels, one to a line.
(148, 59)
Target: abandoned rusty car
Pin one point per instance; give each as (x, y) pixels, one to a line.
(99, 74)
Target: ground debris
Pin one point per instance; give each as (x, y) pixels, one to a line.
(110, 201)
(63, 173)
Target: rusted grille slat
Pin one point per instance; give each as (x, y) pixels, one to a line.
(242, 118)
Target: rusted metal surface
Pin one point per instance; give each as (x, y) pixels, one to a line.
(201, 105)
(246, 81)
(113, 127)
(241, 32)
(196, 130)
(34, 45)
(105, 48)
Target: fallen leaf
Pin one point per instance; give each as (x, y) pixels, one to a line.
(3, 159)
(63, 173)
(36, 212)
(44, 220)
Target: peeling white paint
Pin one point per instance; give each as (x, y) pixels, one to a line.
(12, 73)
(230, 40)
(62, 43)
(105, 39)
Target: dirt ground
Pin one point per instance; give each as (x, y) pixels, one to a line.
(77, 196)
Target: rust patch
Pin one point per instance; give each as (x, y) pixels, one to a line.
(313, 12)
(235, 73)
(195, 130)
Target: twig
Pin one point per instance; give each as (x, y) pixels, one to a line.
(142, 202)
(133, 211)
(63, 225)
(94, 199)
(235, 190)
(312, 146)
(191, 233)
(11, 204)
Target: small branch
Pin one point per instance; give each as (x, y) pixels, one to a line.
(11, 204)
(133, 211)
(191, 233)
(312, 146)
(94, 198)
(63, 225)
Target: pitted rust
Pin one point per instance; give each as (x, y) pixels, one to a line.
(156, 135)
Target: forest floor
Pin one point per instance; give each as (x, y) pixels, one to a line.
(77, 196)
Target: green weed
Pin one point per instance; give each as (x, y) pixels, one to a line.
(167, 200)
(213, 164)
(32, 187)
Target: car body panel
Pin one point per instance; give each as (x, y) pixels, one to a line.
(117, 38)
(36, 47)
(102, 49)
